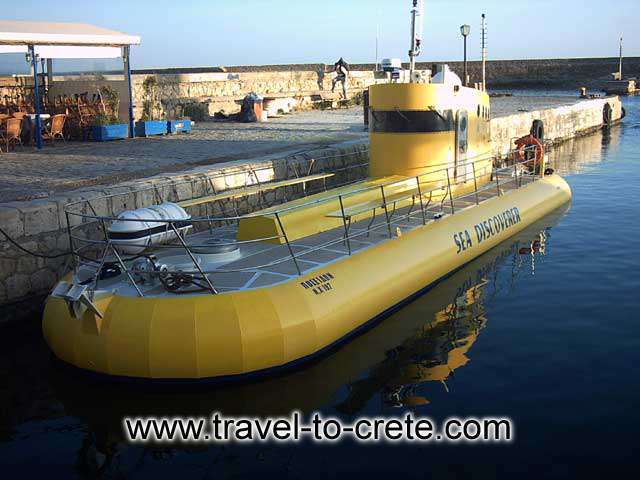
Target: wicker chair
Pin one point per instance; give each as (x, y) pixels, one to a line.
(11, 133)
(55, 130)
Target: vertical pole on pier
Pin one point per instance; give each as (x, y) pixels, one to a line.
(465, 30)
(620, 66)
(36, 98)
(127, 61)
(466, 75)
(484, 52)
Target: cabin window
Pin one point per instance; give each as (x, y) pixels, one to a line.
(398, 121)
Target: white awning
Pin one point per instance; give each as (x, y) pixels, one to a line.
(51, 51)
(13, 49)
(13, 32)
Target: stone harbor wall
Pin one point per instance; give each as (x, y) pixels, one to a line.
(560, 123)
(41, 225)
(211, 92)
(178, 94)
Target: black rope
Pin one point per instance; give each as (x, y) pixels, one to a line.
(63, 254)
(39, 255)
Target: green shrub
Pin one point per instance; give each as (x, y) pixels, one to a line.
(197, 112)
(111, 98)
(151, 107)
(103, 120)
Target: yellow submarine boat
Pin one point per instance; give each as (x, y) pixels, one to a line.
(158, 293)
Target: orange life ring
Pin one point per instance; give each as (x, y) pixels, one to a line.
(530, 141)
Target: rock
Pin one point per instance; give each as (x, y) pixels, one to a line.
(43, 280)
(18, 286)
(7, 267)
(27, 264)
(11, 222)
(39, 216)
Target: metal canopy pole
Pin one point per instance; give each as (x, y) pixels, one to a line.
(36, 97)
(127, 64)
(50, 71)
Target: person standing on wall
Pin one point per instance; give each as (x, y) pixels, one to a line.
(342, 74)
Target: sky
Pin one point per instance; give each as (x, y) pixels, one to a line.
(190, 33)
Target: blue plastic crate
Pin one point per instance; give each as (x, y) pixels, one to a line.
(177, 126)
(104, 133)
(152, 127)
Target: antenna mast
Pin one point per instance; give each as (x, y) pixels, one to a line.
(416, 34)
(484, 52)
(377, 40)
(620, 67)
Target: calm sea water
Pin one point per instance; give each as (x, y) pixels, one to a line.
(548, 336)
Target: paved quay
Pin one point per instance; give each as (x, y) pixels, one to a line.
(28, 174)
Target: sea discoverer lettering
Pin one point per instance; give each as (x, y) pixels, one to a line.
(486, 229)
(219, 428)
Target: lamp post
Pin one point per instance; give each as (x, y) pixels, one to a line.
(465, 30)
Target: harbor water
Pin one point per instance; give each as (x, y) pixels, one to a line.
(541, 329)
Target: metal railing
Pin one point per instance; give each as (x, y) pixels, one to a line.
(421, 188)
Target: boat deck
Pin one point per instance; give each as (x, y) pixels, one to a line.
(264, 264)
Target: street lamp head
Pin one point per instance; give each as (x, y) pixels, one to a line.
(465, 30)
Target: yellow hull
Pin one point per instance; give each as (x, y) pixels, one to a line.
(255, 331)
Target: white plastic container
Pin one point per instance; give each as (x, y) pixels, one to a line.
(137, 230)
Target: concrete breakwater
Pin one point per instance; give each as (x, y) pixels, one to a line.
(561, 123)
(41, 225)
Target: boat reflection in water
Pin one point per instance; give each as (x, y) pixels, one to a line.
(426, 341)
(439, 346)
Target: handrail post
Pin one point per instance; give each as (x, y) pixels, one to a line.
(515, 174)
(497, 181)
(206, 211)
(286, 239)
(100, 267)
(386, 210)
(193, 259)
(450, 193)
(124, 267)
(475, 183)
(344, 223)
(424, 217)
(66, 213)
